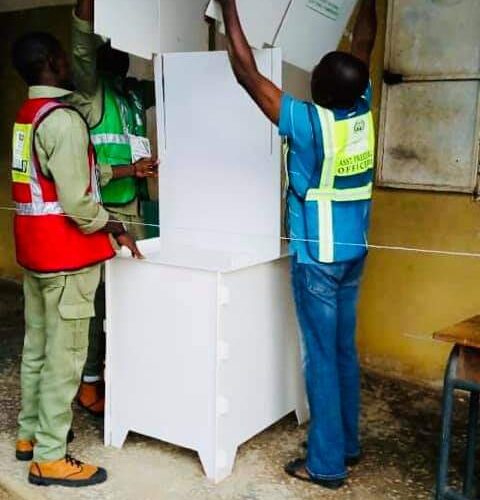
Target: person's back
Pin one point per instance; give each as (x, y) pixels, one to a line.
(330, 165)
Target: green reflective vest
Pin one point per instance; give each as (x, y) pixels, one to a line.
(123, 114)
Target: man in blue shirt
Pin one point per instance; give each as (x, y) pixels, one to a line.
(330, 168)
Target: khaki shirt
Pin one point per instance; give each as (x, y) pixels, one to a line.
(61, 143)
(89, 96)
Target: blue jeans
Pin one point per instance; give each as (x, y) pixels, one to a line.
(326, 297)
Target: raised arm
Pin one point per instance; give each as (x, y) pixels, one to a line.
(84, 48)
(365, 31)
(264, 92)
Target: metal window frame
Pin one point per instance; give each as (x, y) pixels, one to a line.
(380, 182)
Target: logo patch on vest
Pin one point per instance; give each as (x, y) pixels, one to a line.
(359, 126)
(21, 153)
(356, 158)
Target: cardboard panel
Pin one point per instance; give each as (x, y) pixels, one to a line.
(169, 328)
(220, 175)
(132, 27)
(185, 348)
(261, 19)
(147, 27)
(311, 29)
(182, 27)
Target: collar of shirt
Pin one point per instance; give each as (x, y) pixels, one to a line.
(46, 92)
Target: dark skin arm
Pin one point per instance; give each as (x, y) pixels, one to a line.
(122, 237)
(365, 31)
(264, 92)
(146, 167)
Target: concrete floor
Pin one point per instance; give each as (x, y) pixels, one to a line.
(400, 427)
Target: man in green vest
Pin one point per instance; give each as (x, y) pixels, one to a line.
(115, 109)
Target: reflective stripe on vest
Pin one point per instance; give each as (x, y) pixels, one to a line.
(98, 139)
(349, 149)
(39, 208)
(22, 170)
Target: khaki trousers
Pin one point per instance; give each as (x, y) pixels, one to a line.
(57, 317)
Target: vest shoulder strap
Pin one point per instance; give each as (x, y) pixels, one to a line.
(311, 110)
(42, 114)
(47, 109)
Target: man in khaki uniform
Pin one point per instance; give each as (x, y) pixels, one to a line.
(61, 239)
(114, 107)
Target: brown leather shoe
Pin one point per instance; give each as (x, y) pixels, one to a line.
(66, 472)
(91, 397)
(24, 447)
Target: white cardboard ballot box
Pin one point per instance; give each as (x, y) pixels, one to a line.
(202, 341)
(197, 356)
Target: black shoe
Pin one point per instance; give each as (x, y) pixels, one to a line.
(297, 469)
(349, 461)
(353, 461)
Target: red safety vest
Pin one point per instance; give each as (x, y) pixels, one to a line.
(46, 239)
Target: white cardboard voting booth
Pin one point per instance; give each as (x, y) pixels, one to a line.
(202, 341)
(202, 347)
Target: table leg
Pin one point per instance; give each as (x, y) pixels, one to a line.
(447, 411)
(469, 482)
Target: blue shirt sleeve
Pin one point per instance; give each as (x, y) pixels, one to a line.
(303, 160)
(294, 121)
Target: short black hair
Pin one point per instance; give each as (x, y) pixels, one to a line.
(31, 53)
(339, 80)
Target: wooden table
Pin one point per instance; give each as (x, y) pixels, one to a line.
(462, 372)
